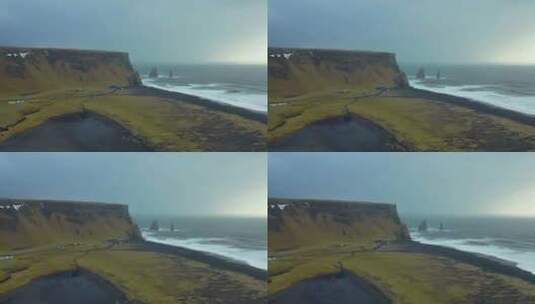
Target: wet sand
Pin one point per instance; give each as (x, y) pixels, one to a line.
(79, 287)
(340, 288)
(86, 131)
(341, 134)
(210, 259)
(486, 263)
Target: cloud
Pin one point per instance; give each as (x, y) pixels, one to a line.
(419, 183)
(150, 183)
(418, 31)
(188, 31)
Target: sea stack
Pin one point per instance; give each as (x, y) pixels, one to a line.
(171, 74)
(438, 75)
(421, 73)
(423, 226)
(154, 226)
(172, 228)
(153, 73)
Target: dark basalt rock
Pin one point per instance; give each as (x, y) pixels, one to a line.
(423, 226)
(154, 226)
(421, 73)
(153, 73)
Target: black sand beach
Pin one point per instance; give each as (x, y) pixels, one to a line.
(339, 288)
(81, 287)
(87, 131)
(343, 134)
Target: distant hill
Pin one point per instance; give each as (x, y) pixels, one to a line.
(33, 70)
(29, 223)
(295, 72)
(301, 223)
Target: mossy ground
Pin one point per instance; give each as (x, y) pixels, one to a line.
(420, 124)
(143, 275)
(165, 124)
(403, 277)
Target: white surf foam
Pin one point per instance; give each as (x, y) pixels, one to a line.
(255, 258)
(481, 93)
(251, 101)
(524, 259)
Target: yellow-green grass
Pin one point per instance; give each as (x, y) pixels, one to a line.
(146, 276)
(420, 124)
(164, 124)
(403, 277)
(157, 278)
(430, 125)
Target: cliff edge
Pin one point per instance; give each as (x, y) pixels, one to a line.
(33, 70)
(29, 223)
(294, 223)
(295, 72)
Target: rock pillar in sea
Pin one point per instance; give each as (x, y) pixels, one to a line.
(153, 73)
(421, 73)
(154, 226)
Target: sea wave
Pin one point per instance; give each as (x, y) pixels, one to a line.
(215, 92)
(216, 246)
(482, 93)
(523, 258)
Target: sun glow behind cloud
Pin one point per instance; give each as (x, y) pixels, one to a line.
(519, 51)
(521, 203)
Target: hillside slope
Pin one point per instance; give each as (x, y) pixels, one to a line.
(301, 223)
(30, 223)
(293, 72)
(31, 70)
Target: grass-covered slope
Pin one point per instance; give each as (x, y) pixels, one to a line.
(26, 71)
(310, 238)
(34, 223)
(308, 86)
(40, 238)
(37, 85)
(294, 72)
(314, 223)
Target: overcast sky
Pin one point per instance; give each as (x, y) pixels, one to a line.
(150, 183)
(418, 183)
(455, 31)
(187, 31)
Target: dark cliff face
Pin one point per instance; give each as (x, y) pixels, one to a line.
(27, 223)
(307, 70)
(296, 223)
(27, 70)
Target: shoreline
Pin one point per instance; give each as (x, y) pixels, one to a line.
(216, 261)
(487, 263)
(210, 104)
(235, 254)
(149, 82)
(473, 104)
(213, 261)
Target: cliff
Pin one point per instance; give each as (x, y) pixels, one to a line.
(301, 223)
(294, 72)
(33, 70)
(28, 223)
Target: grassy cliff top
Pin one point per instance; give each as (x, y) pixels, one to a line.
(305, 224)
(328, 50)
(8, 47)
(33, 201)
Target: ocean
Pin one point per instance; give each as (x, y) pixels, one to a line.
(243, 86)
(507, 238)
(240, 239)
(506, 86)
